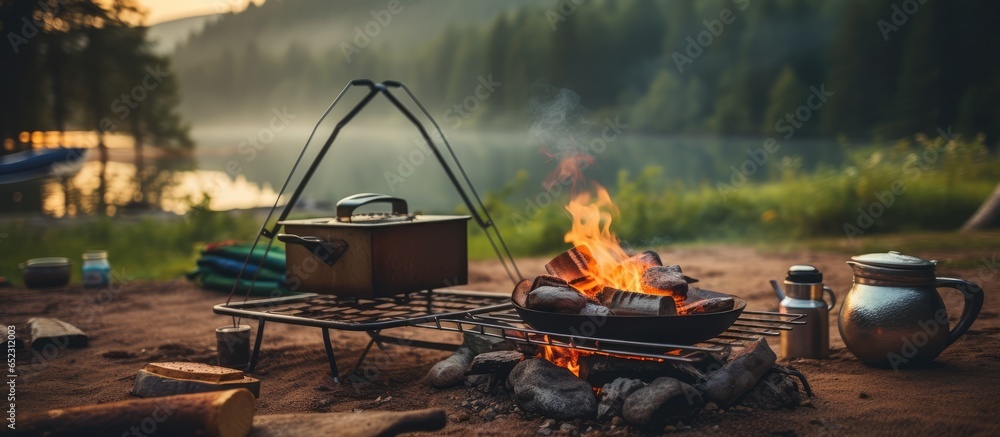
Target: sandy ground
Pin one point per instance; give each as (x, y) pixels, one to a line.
(140, 322)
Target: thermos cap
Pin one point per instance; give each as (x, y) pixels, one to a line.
(804, 274)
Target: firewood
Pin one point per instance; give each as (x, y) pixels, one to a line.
(214, 414)
(625, 303)
(368, 423)
(556, 299)
(713, 305)
(164, 379)
(548, 280)
(573, 266)
(592, 309)
(665, 280)
(645, 259)
(46, 331)
(521, 290)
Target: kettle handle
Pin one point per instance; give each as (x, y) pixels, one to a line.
(973, 303)
(833, 298)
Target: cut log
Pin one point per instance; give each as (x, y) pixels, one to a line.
(645, 259)
(624, 303)
(196, 371)
(666, 281)
(151, 385)
(46, 331)
(548, 281)
(521, 290)
(713, 305)
(593, 309)
(556, 299)
(573, 266)
(216, 414)
(364, 424)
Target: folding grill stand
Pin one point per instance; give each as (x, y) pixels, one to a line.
(487, 314)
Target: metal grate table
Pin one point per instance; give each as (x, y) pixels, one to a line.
(488, 314)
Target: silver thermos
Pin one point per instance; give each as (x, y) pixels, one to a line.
(803, 294)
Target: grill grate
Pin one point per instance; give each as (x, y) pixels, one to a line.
(489, 314)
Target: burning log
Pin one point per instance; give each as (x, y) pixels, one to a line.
(521, 290)
(647, 259)
(548, 281)
(713, 305)
(573, 266)
(665, 280)
(630, 303)
(593, 309)
(556, 299)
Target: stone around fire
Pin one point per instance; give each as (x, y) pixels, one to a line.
(543, 388)
(613, 396)
(451, 371)
(663, 399)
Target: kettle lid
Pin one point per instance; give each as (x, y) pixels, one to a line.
(804, 274)
(894, 260)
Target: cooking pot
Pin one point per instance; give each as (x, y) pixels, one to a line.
(375, 254)
(45, 272)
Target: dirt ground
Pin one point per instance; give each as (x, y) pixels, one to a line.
(140, 322)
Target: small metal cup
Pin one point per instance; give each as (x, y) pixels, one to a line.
(233, 346)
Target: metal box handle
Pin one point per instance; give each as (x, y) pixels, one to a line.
(347, 205)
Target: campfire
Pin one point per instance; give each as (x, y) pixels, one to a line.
(598, 278)
(596, 293)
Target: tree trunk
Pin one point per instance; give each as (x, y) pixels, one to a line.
(140, 160)
(988, 215)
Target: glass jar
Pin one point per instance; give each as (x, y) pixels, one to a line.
(96, 269)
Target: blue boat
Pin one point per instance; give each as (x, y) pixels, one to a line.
(33, 164)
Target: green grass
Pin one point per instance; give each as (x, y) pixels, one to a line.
(137, 248)
(798, 211)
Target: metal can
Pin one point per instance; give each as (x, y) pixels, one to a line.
(96, 269)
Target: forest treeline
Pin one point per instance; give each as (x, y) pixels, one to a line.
(734, 67)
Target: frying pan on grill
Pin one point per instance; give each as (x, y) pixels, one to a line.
(680, 329)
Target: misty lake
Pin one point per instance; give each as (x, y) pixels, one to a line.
(238, 173)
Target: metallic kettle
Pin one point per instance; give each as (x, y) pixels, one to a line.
(803, 294)
(893, 316)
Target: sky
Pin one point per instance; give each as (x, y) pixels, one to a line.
(159, 11)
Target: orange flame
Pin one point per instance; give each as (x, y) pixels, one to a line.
(592, 215)
(592, 218)
(564, 357)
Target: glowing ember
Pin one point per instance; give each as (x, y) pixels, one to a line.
(564, 357)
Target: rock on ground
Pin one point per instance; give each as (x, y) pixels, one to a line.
(774, 391)
(613, 396)
(543, 388)
(451, 371)
(663, 399)
(739, 375)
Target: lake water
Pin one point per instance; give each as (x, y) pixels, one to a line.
(239, 173)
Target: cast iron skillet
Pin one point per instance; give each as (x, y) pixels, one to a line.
(686, 329)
